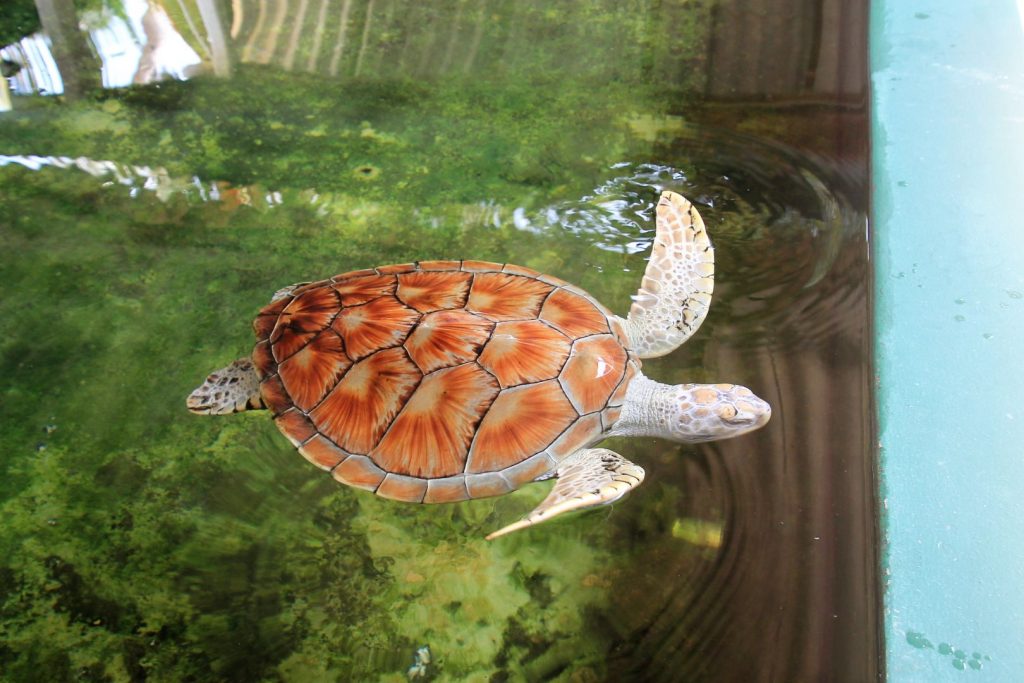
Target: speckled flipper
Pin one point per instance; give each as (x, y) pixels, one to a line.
(674, 296)
(588, 477)
(228, 390)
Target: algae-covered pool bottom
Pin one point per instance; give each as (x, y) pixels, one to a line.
(141, 232)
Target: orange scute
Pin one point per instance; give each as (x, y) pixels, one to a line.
(580, 435)
(360, 408)
(619, 331)
(396, 268)
(358, 471)
(573, 314)
(447, 338)
(432, 291)
(312, 371)
(449, 490)
(619, 395)
(274, 308)
(376, 325)
(609, 416)
(299, 288)
(481, 266)
(431, 436)
(524, 351)
(499, 296)
(296, 426)
(263, 359)
(286, 341)
(267, 318)
(263, 325)
(359, 290)
(593, 370)
(486, 485)
(440, 265)
(406, 489)
(322, 453)
(529, 469)
(521, 422)
(273, 394)
(312, 310)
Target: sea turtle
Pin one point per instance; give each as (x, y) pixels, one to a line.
(441, 381)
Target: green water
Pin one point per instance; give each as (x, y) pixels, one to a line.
(141, 542)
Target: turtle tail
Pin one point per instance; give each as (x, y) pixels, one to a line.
(228, 390)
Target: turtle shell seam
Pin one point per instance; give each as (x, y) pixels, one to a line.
(341, 307)
(405, 338)
(629, 357)
(544, 300)
(272, 344)
(476, 425)
(351, 364)
(472, 442)
(330, 391)
(542, 320)
(535, 316)
(415, 325)
(491, 374)
(398, 412)
(462, 306)
(423, 376)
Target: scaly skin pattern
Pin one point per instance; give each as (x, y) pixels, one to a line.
(675, 293)
(588, 477)
(228, 390)
(690, 413)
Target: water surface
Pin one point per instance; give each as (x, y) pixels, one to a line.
(142, 227)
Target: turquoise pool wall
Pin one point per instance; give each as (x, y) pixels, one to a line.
(948, 152)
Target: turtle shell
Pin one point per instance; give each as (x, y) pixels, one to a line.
(440, 381)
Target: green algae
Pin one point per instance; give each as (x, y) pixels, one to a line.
(18, 18)
(144, 543)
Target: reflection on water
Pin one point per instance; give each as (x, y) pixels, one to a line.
(136, 42)
(165, 54)
(150, 223)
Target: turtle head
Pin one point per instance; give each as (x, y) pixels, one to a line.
(709, 412)
(690, 413)
(228, 390)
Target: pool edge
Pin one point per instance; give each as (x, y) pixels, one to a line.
(948, 124)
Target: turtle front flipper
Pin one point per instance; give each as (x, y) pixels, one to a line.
(228, 390)
(675, 293)
(588, 477)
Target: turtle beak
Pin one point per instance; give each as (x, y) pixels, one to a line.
(746, 414)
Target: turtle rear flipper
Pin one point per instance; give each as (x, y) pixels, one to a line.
(286, 291)
(228, 390)
(589, 477)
